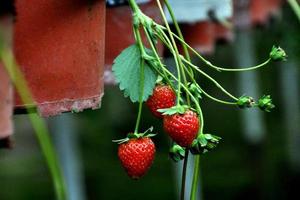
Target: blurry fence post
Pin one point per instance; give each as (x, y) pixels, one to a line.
(178, 166)
(252, 122)
(189, 178)
(64, 129)
(252, 119)
(290, 93)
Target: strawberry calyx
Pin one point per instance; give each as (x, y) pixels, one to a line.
(177, 152)
(147, 133)
(245, 102)
(178, 109)
(204, 143)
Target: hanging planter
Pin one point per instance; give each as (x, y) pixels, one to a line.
(59, 46)
(201, 36)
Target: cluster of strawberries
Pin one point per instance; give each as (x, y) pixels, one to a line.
(137, 153)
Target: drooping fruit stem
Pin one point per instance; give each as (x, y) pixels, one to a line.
(142, 78)
(38, 124)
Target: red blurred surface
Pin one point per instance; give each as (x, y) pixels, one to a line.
(6, 89)
(201, 36)
(60, 48)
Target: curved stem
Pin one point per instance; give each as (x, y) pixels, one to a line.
(208, 95)
(216, 99)
(163, 38)
(195, 178)
(211, 79)
(176, 55)
(208, 63)
(164, 75)
(246, 68)
(38, 124)
(296, 8)
(185, 88)
(185, 49)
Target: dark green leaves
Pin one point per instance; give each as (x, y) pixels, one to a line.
(127, 70)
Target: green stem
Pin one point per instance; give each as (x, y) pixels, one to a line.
(246, 68)
(296, 8)
(195, 178)
(164, 39)
(216, 99)
(208, 63)
(185, 49)
(184, 87)
(152, 45)
(211, 79)
(38, 124)
(183, 178)
(142, 75)
(208, 95)
(133, 6)
(197, 168)
(176, 55)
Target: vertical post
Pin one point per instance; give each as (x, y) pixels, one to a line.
(66, 141)
(252, 119)
(252, 122)
(289, 82)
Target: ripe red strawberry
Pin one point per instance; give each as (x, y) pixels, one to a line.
(163, 97)
(136, 156)
(182, 128)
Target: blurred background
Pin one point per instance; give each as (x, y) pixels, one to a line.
(258, 157)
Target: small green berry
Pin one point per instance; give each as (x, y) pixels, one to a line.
(245, 102)
(278, 54)
(265, 103)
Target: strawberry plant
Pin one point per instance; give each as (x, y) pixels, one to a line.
(143, 76)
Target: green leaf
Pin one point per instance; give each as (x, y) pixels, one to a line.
(127, 68)
(178, 109)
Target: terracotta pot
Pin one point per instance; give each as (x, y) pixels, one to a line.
(223, 34)
(261, 11)
(60, 48)
(119, 33)
(201, 36)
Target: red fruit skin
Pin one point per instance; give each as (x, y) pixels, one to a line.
(163, 97)
(182, 128)
(137, 156)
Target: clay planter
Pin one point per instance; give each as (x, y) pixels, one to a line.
(119, 33)
(60, 48)
(261, 11)
(223, 34)
(200, 36)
